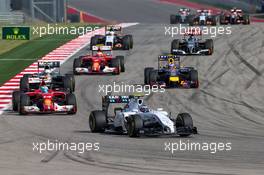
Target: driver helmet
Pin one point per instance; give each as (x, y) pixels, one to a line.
(99, 53)
(43, 87)
(144, 108)
(47, 70)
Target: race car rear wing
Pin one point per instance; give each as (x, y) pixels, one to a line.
(50, 64)
(117, 99)
(165, 60)
(102, 48)
(113, 28)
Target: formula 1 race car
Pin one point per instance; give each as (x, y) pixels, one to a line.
(204, 17)
(190, 44)
(136, 119)
(234, 16)
(44, 101)
(50, 74)
(113, 37)
(170, 74)
(182, 17)
(101, 61)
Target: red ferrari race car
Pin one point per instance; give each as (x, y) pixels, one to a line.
(234, 16)
(44, 100)
(101, 61)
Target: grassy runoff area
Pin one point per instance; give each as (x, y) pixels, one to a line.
(17, 55)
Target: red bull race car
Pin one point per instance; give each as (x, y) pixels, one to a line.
(203, 18)
(182, 17)
(101, 61)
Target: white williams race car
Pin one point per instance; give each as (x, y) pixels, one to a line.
(135, 118)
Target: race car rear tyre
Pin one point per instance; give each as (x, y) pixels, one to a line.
(209, 44)
(246, 20)
(126, 42)
(116, 63)
(184, 121)
(147, 71)
(94, 41)
(97, 121)
(173, 19)
(214, 20)
(153, 76)
(15, 100)
(194, 78)
(175, 45)
(73, 80)
(122, 63)
(68, 83)
(134, 124)
(71, 100)
(76, 63)
(24, 101)
(131, 41)
(24, 84)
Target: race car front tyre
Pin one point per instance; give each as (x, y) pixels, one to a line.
(23, 101)
(122, 62)
(126, 42)
(209, 44)
(15, 100)
(94, 41)
(173, 19)
(76, 63)
(184, 124)
(134, 124)
(71, 100)
(175, 45)
(147, 71)
(116, 63)
(97, 121)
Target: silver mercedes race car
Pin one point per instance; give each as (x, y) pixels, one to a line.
(50, 73)
(135, 119)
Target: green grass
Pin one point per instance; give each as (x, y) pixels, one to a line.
(24, 53)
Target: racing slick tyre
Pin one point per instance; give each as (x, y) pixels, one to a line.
(175, 45)
(94, 41)
(76, 63)
(73, 80)
(194, 78)
(97, 121)
(214, 20)
(209, 44)
(23, 101)
(173, 19)
(126, 42)
(131, 44)
(134, 124)
(122, 62)
(184, 123)
(246, 20)
(116, 63)
(147, 71)
(24, 84)
(15, 100)
(71, 100)
(68, 83)
(153, 76)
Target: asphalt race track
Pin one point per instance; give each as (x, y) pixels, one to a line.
(228, 107)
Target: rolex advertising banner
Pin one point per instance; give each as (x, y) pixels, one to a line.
(16, 33)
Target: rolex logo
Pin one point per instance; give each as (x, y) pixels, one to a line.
(16, 30)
